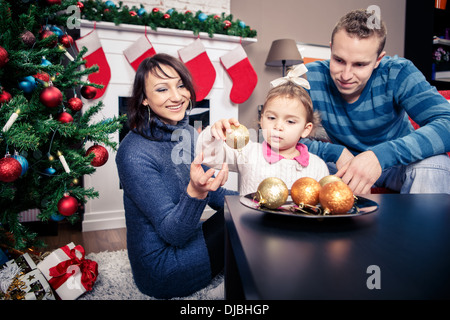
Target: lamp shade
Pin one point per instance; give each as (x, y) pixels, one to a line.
(283, 52)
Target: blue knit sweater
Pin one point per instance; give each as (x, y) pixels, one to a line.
(166, 248)
(378, 120)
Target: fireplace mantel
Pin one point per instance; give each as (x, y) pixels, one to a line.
(106, 212)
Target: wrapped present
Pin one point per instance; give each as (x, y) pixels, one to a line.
(68, 272)
(20, 279)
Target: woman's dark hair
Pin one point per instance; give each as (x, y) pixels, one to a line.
(138, 114)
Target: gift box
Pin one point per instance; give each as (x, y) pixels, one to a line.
(20, 279)
(68, 272)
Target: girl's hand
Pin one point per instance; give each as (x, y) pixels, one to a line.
(202, 182)
(221, 127)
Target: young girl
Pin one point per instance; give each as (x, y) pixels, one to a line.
(287, 116)
(172, 254)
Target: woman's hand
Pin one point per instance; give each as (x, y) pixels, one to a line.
(221, 127)
(202, 182)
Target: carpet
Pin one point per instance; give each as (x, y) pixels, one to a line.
(115, 281)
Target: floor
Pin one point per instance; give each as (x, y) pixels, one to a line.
(91, 241)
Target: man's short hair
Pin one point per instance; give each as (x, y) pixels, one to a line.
(355, 23)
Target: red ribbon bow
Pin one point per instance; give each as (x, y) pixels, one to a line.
(62, 271)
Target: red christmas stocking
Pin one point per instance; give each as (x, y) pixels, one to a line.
(95, 56)
(242, 74)
(138, 51)
(197, 61)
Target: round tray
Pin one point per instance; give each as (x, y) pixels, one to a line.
(361, 207)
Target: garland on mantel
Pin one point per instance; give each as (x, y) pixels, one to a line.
(196, 22)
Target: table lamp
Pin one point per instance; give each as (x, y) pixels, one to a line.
(283, 53)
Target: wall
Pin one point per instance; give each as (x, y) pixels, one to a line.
(206, 6)
(304, 21)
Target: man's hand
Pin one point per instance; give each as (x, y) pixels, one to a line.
(202, 182)
(361, 172)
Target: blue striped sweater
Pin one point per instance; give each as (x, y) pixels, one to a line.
(378, 120)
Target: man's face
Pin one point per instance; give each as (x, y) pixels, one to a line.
(352, 62)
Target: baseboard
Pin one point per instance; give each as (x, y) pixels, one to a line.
(103, 220)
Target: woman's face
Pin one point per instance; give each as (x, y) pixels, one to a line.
(167, 97)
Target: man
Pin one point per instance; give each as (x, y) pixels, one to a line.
(365, 98)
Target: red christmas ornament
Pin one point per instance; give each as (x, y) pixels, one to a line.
(67, 205)
(166, 16)
(101, 155)
(10, 169)
(66, 41)
(155, 10)
(133, 13)
(80, 5)
(51, 97)
(65, 117)
(226, 24)
(75, 104)
(42, 76)
(3, 56)
(47, 33)
(5, 97)
(88, 92)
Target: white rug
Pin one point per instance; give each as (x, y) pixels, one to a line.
(115, 281)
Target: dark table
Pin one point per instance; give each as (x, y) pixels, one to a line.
(400, 251)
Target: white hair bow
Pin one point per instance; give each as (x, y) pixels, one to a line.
(294, 75)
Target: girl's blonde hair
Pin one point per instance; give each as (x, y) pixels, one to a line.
(293, 91)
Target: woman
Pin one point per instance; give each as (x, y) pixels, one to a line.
(172, 254)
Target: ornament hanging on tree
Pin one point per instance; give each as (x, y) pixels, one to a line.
(27, 84)
(305, 191)
(101, 155)
(272, 193)
(66, 41)
(52, 2)
(28, 38)
(51, 97)
(88, 92)
(336, 198)
(5, 97)
(3, 56)
(75, 104)
(67, 205)
(65, 117)
(23, 162)
(10, 169)
(46, 34)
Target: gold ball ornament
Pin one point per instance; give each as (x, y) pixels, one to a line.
(328, 179)
(305, 191)
(272, 193)
(238, 138)
(336, 198)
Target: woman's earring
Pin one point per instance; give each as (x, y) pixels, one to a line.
(190, 106)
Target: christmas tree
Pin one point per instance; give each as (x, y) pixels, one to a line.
(46, 130)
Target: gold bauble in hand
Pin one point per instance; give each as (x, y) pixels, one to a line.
(272, 193)
(238, 138)
(328, 179)
(336, 198)
(305, 191)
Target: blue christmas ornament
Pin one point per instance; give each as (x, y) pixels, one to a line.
(202, 17)
(45, 62)
(23, 162)
(27, 84)
(57, 217)
(50, 171)
(170, 11)
(242, 24)
(110, 4)
(141, 11)
(57, 31)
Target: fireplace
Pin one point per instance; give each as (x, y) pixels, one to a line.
(106, 212)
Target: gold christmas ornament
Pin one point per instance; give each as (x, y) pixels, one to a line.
(272, 193)
(336, 198)
(305, 191)
(328, 179)
(238, 138)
